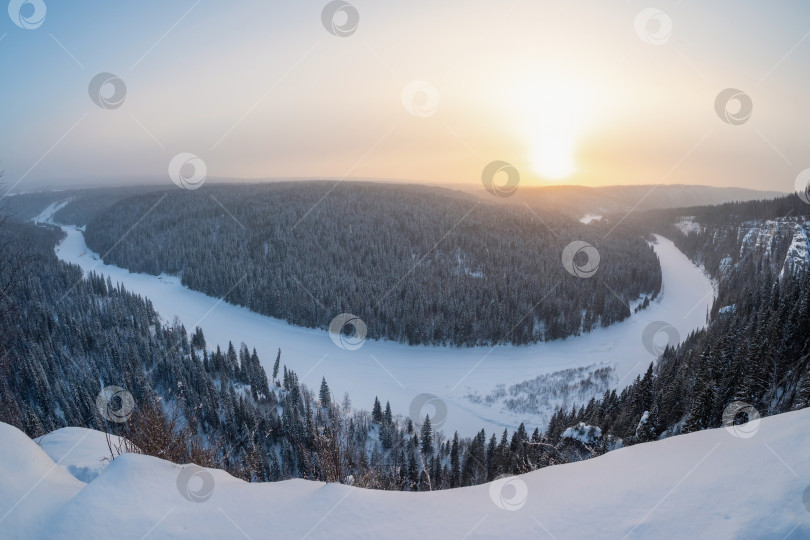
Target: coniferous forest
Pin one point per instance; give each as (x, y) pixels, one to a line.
(419, 265)
(66, 337)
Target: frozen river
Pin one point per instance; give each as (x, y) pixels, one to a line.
(399, 373)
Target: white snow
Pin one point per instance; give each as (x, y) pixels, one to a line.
(709, 484)
(583, 433)
(398, 372)
(645, 417)
(46, 216)
(83, 452)
(760, 235)
(725, 266)
(589, 218)
(32, 485)
(539, 397)
(798, 254)
(688, 225)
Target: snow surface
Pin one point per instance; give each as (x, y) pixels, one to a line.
(32, 485)
(46, 216)
(402, 373)
(687, 225)
(709, 484)
(588, 218)
(83, 452)
(583, 433)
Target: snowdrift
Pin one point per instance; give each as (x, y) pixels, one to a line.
(83, 452)
(715, 484)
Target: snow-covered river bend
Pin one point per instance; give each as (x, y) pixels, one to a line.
(401, 373)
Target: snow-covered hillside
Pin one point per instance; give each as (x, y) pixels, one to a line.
(759, 235)
(462, 379)
(714, 484)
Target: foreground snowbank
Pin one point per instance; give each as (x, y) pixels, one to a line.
(32, 486)
(704, 485)
(83, 452)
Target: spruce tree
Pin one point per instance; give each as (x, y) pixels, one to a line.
(233, 362)
(413, 470)
(376, 412)
(276, 365)
(455, 463)
(491, 453)
(325, 396)
(700, 414)
(427, 437)
(803, 396)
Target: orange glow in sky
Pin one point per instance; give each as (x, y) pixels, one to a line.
(579, 93)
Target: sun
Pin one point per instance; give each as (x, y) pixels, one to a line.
(553, 156)
(554, 116)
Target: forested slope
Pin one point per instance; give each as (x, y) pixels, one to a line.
(418, 265)
(753, 359)
(68, 338)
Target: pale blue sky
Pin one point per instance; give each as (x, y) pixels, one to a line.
(261, 89)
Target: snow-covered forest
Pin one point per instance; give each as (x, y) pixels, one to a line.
(367, 270)
(73, 336)
(419, 265)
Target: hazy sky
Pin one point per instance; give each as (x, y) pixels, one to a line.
(566, 91)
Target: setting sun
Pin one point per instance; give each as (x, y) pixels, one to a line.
(553, 156)
(554, 115)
